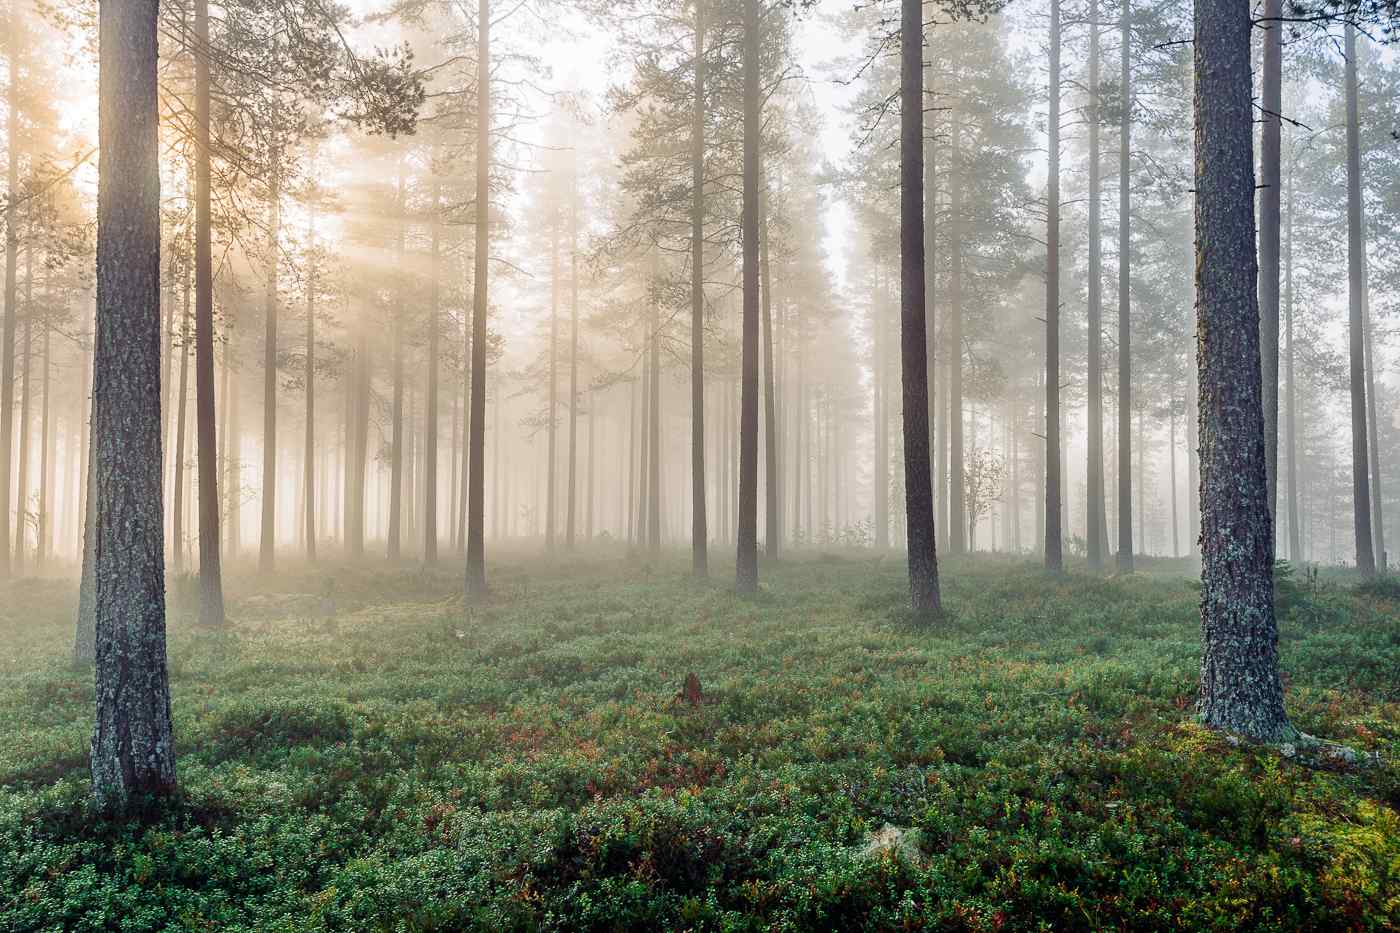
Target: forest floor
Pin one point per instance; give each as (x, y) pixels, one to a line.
(360, 751)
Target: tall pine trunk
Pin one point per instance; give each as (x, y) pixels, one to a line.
(918, 478)
(394, 545)
(699, 531)
(268, 540)
(957, 476)
(309, 449)
(430, 432)
(1125, 356)
(178, 498)
(772, 496)
(133, 749)
(1240, 690)
(1356, 324)
(476, 490)
(1096, 521)
(746, 568)
(571, 504)
(1295, 537)
(1270, 193)
(1054, 535)
(211, 585)
(7, 334)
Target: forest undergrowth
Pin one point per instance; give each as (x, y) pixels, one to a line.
(360, 750)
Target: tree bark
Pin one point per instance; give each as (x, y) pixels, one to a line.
(699, 531)
(430, 432)
(476, 550)
(7, 334)
(551, 508)
(1096, 522)
(746, 571)
(211, 586)
(918, 476)
(1270, 156)
(772, 496)
(1240, 690)
(1125, 356)
(1356, 330)
(309, 449)
(1054, 536)
(268, 541)
(957, 474)
(178, 506)
(571, 497)
(1295, 538)
(133, 754)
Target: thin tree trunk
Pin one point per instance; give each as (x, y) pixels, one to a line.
(1095, 524)
(571, 505)
(268, 543)
(1270, 156)
(1240, 690)
(551, 508)
(1125, 356)
(476, 550)
(309, 452)
(430, 432)
(918, 479)
(133, 749)
(1372, 433)
(7, 335)
(957, 503)
(22, 484)
(699, 532)
(1295, 547)
(653, 446)
(1054, 535)
(211, 586)
(394, 545)
(178, 508)
(746, 569)
(1356, 279)
(772, 497)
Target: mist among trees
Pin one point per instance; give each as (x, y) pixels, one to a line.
(699, 464)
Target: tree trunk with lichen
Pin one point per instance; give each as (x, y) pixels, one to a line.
(1240, 690)
(133, 755)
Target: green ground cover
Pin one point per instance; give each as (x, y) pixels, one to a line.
(361, 751)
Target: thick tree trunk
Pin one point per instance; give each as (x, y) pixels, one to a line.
(1096, 522)
(699, 531)
(918, 478)
(1054, 535)
(1241, 691)
(476, 549)
(211, 585)
(1270, 156)
(268, 540)
(1125, 356)
(746, 571)
(1356, 329)
(133, 753)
